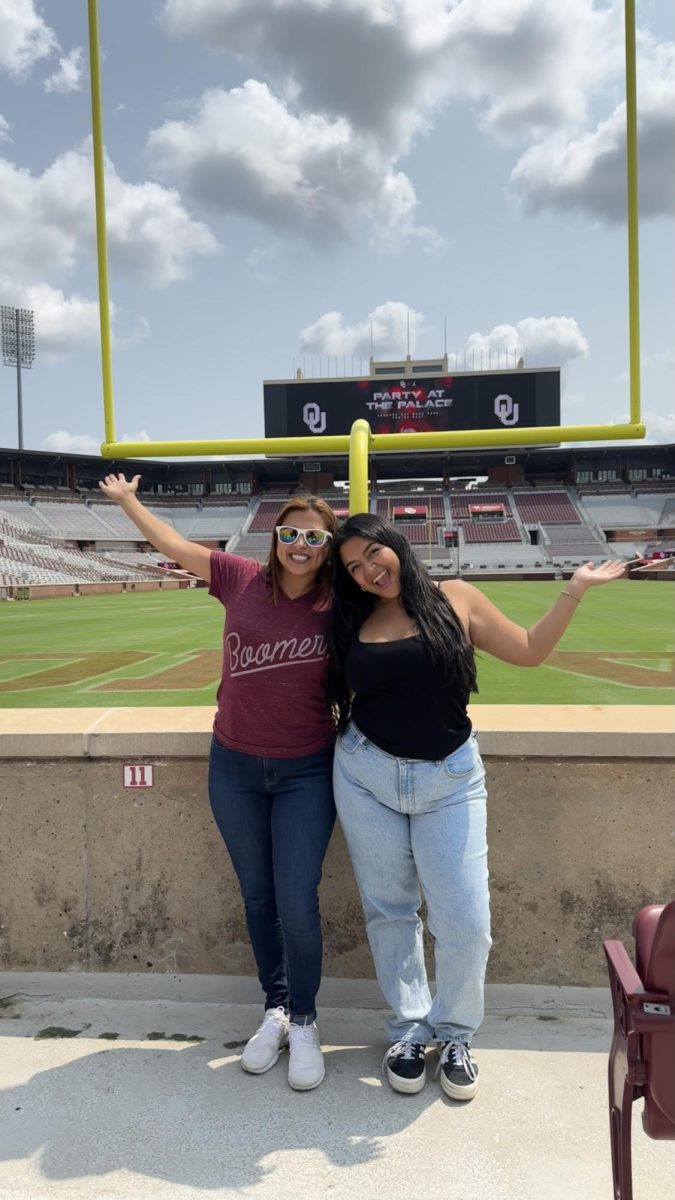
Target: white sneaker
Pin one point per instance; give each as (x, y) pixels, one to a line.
(306, 1067)
(262, 1050)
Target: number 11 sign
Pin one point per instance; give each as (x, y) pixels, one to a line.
(141, 775)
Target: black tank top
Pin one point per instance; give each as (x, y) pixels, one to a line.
(401, 701)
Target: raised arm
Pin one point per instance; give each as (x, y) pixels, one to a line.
(165, 539)
(491, 631)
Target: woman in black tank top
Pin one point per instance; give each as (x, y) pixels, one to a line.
(410, 784)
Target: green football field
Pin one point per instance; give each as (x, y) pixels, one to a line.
(163, 648)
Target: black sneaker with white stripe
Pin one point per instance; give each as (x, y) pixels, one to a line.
(458, 1070)
(406, 1066)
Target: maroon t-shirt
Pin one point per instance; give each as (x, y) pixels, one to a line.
(271, 698)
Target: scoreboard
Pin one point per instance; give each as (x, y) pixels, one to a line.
(394, 404)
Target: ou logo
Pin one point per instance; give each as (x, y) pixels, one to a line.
(314, 418)
(506, 409)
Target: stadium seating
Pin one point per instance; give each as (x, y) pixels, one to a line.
(147, 562)
(253, 546)
(615, 512)
(39, 536)
(547, 508)
(25, 559)
(433, 503)
(265, 518)
(575, 542)
(608, 488)
(424, 533)
(667, 514)
(459, 505)
(216, 524)
(27, 513)
(18, 527)
(71, 520)
(266, 515)
(491, 531)
(504, 556)
(115, 521)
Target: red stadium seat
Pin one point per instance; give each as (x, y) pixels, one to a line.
(642, 1056)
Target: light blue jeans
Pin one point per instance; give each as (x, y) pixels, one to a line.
(411, 822)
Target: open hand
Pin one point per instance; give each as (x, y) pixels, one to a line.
(589, 576)
(118, 487)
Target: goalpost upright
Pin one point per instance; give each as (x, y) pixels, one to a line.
(361, 441)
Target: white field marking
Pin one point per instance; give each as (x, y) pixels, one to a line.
(595, 678)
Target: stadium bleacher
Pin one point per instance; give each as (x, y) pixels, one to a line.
(253, 546)
(421, 534)
(506, 557)
(265, 518)
(615, 512)
(668, 514)
(575, 543)
(53, 564)
(535, 527)
(547, 508)
(491, 531)
(434, 505)
(460, 506)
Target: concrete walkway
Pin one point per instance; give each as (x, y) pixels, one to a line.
(131, 1107)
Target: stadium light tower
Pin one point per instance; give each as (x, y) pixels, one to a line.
(18, 349)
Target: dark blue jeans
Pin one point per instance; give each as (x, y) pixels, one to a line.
(276, 816)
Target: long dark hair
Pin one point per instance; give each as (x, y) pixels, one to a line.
(438, 625)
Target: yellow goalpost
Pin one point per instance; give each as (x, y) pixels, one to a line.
(360, 441)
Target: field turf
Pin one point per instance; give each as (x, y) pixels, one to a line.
(163, 648)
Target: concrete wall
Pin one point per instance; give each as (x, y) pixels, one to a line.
(97, 876)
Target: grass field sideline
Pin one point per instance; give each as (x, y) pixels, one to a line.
(163, 648)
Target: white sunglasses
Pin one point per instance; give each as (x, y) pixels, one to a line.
(314, 538)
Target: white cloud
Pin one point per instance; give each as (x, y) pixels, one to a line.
(388, 322)
(63, 442)
(142, 436)
(372, 62)
(139, 333)
(393, 217)
(660, 427)
(63, 324)
(68, 75)
(4, 129)
(534, 72)
(587, 171)
(541, 341)
(47, 223)
(385, 64)
(68, 324)
(244, 151)
(532, 66)
(25, 37)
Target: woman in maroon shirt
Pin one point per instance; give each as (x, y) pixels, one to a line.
(271, 756)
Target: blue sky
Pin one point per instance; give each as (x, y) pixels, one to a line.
(283, 174)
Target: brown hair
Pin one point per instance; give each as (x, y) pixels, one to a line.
(328, 520)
